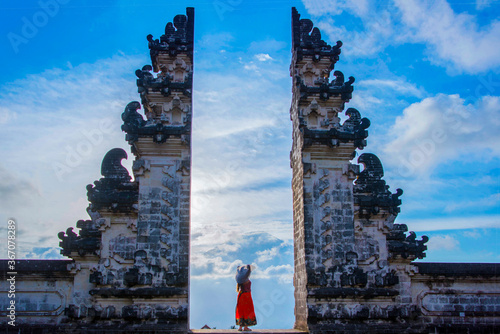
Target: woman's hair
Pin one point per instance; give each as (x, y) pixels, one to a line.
(240, 286)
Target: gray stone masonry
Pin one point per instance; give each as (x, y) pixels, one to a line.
(353, 265)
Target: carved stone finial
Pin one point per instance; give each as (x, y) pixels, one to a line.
(163, 83)
(111, 166)
(371, 192)
(405, 246)
(114, 191)
(306, 40)
(132, 118)
(178, 37)
(373, 168)
(87, 242)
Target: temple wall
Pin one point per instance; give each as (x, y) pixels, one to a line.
(458, 294)
(43, 289)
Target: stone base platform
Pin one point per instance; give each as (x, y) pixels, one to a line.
(255, 331)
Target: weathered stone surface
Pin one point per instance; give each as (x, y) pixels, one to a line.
(306, 41)
(88, 241)
(352, 131)
(115, 191)
(178, 38)
(353, 269)
(138, 292)
(42, 291)
(458, 269)
(371, 192)
(164, 84)
(135, 127)
(406, 247)
(38, 267)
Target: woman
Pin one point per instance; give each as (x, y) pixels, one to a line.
(245, 314)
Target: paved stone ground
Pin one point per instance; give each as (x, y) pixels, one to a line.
(256, 331)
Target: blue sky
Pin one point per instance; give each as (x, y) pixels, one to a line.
(427, 76)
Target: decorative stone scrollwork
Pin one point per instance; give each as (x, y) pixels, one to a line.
(135, 126)
(178, 37)
(354, 277)
(164, 83)
(357, 126)
(353, 130)
(339, 79)
(144, 76)
(307, 40)
(371, 192)
(114, 191)
(140, 166)
(87, 242)
(132, 121)
(405, 246)
(326, 90)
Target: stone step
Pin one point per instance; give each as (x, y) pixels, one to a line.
(254, 331)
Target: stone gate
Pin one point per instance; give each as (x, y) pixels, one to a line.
(353, 263)
(129, 267)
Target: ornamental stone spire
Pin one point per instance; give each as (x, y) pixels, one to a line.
(135, 250)
(351, 261)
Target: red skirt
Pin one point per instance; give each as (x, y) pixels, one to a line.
(245, 314)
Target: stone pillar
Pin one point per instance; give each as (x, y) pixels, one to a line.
(131, 261)
(103, 251)
(351, 261)
(162, 146)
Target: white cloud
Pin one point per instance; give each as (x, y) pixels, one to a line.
(15, 188)
(213, 127)
(241, 135)
(251, 66)
(452, 37)
(218, 249)
(263, 57)
(60, 113)
(256, 207)
(267, 254)
(7, 115)
(374, 94)
(487, 202)
(364, 100)
(373, 35)
(284, 273)
(442, 242)
(452, 223)
(453, 40)
(483, 4)
(267, 46)
(336, 7)
(474, 234)
(441, 128)
(44, 253)
(216, 41)
(400, 86)
(216, 51)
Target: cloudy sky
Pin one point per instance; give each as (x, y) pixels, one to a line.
(427, 76)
